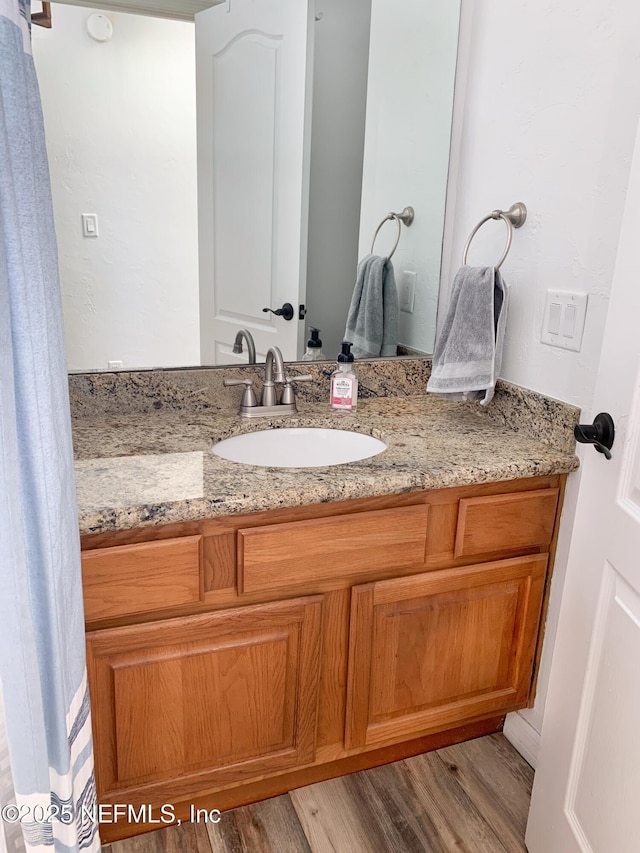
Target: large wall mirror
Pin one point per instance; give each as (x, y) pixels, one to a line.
(187, 203)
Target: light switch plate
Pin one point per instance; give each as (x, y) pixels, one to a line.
(90, 224)
(564, 316)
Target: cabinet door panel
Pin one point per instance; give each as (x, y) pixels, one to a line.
(432, 650)
(211, 699)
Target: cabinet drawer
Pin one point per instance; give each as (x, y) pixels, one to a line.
(505, 522)
(130, 579)
(326, 549)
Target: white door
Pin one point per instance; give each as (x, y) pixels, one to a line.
(586, 794)
(254, 63)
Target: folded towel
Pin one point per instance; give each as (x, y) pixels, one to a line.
(372, 321)
(468, 351)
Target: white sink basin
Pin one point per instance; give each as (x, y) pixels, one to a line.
(299, 447)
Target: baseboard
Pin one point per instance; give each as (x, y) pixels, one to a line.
(522, 735)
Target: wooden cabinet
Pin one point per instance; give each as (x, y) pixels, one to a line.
(204, 700)
(431, 650)
(233, 659)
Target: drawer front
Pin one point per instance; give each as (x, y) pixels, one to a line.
(505, 522)
(326, 549)
(131, 579)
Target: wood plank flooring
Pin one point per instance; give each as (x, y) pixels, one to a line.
(469, 798)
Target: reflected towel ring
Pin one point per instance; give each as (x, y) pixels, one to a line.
(406, 216)
(515, 217)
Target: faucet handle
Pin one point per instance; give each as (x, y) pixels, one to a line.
(304, 377)
(249, 395)
(288, 396)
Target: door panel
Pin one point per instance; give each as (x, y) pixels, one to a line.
(220, 697)
(585, 793)
(254, 63)
(612, 692)
(431, 650)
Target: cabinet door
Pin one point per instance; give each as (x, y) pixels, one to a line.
(430, 651)
(204, 701)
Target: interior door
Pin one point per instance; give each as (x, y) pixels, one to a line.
(585, 794)
(254, 63)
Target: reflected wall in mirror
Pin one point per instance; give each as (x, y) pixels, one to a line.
(313, 122)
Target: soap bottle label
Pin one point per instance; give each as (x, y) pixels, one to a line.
(342, 393)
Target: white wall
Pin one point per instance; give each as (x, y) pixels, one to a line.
(551, 104)
(341, 53)
(408, 128)
(120, 126)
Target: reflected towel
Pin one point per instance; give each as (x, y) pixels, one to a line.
(372, 321)
(468, 351)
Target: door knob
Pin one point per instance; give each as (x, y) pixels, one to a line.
(601, 433)
(286, 311)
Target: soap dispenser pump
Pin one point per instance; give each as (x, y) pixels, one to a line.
(344, 382)
(314, 346)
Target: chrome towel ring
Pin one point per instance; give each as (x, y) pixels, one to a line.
(515, 217)
(406, 216)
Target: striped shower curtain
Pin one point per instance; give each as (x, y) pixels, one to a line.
(47, 790)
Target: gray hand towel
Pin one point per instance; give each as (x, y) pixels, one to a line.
(468, 352)
(372, 321)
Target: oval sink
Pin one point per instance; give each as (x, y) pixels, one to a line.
(299, 447)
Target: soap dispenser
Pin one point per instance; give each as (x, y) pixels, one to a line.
(314, 346)
(344, 382)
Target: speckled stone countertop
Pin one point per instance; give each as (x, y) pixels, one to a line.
(139, 469)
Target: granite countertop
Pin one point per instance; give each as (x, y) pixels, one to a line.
(136, 470)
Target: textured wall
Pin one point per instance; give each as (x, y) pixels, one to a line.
(552, 102)
(120, 125)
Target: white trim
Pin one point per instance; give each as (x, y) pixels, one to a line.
(179, 10)
(522, 735)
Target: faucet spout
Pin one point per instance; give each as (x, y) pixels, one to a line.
(273, 361)
(273, 372)
(251, 347)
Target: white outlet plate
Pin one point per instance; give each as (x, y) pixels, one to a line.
(114, 365)
(408, 291)
(564, 317)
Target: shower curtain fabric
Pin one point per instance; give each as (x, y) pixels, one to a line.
(42, 664)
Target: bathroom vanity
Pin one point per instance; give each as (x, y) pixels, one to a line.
(293, 625)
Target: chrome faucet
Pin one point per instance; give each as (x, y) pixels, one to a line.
(251, 347)
(274, 374)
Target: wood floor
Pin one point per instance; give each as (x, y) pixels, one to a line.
(468, 798)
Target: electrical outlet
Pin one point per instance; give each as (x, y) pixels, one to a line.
(408, 291)
(564, 317)
(114, 365)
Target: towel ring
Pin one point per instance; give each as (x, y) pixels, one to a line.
(515, 217)
(406, 216)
